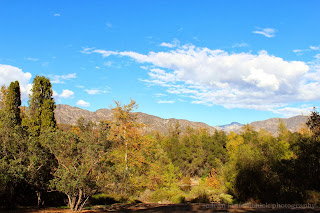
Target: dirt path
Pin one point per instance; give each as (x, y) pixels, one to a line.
(159, 208)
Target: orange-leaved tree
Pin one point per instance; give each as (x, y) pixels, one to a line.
(130, 151)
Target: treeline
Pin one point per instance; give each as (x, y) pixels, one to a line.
(44, 164)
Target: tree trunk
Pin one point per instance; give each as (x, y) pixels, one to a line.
(72, 201)
(40, 202)
(79, 200)
(76, 203)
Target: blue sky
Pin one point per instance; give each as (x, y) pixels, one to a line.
(208, 61)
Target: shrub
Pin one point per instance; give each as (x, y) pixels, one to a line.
(174, 195)
(312, 197)
(102, 199)
(160, 195)
(226, 198)
(178, 199)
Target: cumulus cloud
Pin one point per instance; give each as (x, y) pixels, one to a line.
(9, 74)
(234, 80)
(57, 14)
(267, 32)
(95, 91)
(83, 103)
(67, 93)
(292, 111)
(60, 79)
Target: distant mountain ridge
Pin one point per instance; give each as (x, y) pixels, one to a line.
(66, 114)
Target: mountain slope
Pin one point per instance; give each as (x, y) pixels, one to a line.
(293, 124)
(69, 115)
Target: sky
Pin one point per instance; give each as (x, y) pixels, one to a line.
(208, 61)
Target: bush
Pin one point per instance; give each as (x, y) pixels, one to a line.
(178, 199)
(174, 195)
(312, 197)
(226, 198)
(160, 195)
(102, 199)
(199, 195)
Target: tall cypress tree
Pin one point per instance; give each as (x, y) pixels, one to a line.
(13, 103)
(42, 106)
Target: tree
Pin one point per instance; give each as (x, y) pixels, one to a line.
(13, 103)
(77, 171)
(314, 122)
(3, 95)
(40, 120)
(124, 121)
(129, 151)
(13, 146)
(41, 106)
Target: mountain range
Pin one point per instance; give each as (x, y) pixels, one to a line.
(66, 114)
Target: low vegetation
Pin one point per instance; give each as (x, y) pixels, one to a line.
(44, 164)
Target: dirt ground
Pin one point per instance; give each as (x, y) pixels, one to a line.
(157, 208)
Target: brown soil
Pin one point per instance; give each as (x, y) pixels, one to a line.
(157, 208)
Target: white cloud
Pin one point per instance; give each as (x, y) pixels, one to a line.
(160, 95)
(83, 103)
(315, 47)
(311, 48)
(59, 79)
(55, 95)
(9, 74)
(165, 102)
(164, 44)
(162, 75)
(95, 91)
(293, 111)
(57, 14)
(240, 45)
(267, 32)
(234, 80)
(32, 59)
(174, 43)
(67, 93)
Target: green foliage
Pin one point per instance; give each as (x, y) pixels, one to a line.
(115, 161)
(173, 195)
(314, 122)
(41, 106)
(13, 165)
(13, 103)
(102, 199)
(196, 152)
(77, 172)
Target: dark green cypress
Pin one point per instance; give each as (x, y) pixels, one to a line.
(41, 106)
(13, 103)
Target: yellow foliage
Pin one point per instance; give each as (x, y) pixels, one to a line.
(75, 130)
(212, 179)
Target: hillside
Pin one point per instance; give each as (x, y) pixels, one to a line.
(69, 115)
(293, 124)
